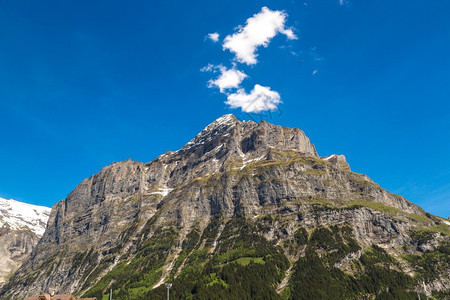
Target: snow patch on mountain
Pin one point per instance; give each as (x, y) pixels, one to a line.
(211, 132)
(18, 215)
(162, 191)
(328, 157)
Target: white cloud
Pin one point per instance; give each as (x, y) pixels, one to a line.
(258, 31)
(243, 43)
(213, 37)
(261, 98)
(289, 33)
(315, 72)
(228, 78)
(208, 68)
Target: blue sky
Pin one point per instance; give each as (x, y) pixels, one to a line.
(84, 84)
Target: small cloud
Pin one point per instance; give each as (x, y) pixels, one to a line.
(258, 31)
(289, 33)
(228, 79)
(315, 72)
(261, 98)
(208, 68)
(213, 37)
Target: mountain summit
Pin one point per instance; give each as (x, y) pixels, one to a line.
(243, 210)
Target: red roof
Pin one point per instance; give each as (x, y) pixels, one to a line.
(39, 297)
(63, 297)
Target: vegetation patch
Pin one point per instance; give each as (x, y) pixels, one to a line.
(300, 238)
(375, 205)
(188, 246)
(245, 266)
(333, 243)
(315, 276)
(377, 256)
(431, 264)
(420, 218)
(315, 172)
(142, 271)
(421, 236)
(442, 228)
(243, 261)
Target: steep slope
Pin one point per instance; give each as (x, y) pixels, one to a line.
(21, 226)
(240, 198)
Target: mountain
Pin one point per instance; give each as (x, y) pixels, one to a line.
(21, 226)
(244, 210)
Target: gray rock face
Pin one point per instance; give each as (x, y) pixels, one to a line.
(15, 246)
(230, 167)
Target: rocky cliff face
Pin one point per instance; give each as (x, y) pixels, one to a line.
(136, 225)
(21, 226)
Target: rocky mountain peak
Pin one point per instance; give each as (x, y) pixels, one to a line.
(245, 137)
(145, 220)
(212, 131)
(225, 144)
(224, 120)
